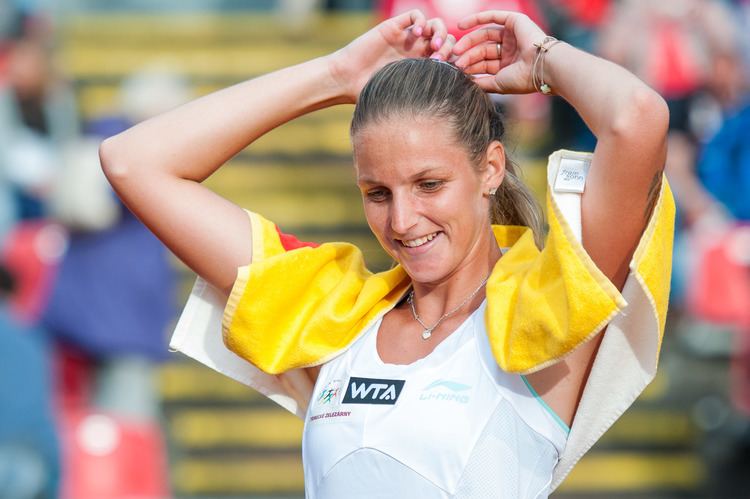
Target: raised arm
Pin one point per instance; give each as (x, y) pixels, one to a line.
(627, 117)
(157, 166)
(629, 121)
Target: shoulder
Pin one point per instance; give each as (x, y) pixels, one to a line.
(298, 303)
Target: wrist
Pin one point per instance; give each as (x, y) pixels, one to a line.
(340, 76)
(541, 77)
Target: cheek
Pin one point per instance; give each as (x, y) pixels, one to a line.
(376, 217)
(467, 200)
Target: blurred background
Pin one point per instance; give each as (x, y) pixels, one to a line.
(92, 404)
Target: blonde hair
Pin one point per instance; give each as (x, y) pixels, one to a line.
(422, 87)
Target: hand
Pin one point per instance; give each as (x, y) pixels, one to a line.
(403, 36)
(508, 72)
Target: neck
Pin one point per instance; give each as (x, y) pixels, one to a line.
(435, 299)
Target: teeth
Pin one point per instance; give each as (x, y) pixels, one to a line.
(419, 242)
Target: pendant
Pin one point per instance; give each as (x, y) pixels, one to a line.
(426, 334)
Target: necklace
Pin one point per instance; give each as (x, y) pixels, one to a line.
(427, 333)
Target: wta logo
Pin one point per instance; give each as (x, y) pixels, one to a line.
(373, 391)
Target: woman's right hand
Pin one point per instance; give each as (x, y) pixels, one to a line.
(500, 54)
(406, 35)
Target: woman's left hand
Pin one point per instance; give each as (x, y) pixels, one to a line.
(503, 51)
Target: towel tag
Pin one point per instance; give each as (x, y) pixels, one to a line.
(571, 175)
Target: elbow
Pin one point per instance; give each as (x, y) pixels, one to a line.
(644, 116)
(112, 162)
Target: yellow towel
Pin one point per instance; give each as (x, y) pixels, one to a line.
(299, 305)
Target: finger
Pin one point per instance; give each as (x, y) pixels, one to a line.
(492, 34)
(413, 18)
(486, 17)
(477, 53)
(488, 84)
(483, 68)
(437, 32)
(445, 52)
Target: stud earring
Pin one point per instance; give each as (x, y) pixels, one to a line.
(493, 191)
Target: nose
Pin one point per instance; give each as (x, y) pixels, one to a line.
(403, 213)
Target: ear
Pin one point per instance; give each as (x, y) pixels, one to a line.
(494, 171)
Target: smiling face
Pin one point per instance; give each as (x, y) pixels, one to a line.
(424, 199)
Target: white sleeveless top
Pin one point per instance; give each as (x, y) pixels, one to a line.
(452, 424)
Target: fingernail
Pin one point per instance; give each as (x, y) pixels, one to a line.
(438, 42)
(436, 56)
(418, 30)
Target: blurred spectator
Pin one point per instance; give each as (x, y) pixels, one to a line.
(688, 50)
(111, 304)
(708, 161)
(29, 461)
(113, 297)
(37, 118)
(671, 45)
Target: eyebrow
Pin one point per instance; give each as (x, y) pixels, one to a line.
(419, 174)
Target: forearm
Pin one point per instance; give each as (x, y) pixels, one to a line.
(192, 141)
(156, 167)
(609, 98)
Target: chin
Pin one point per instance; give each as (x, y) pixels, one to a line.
(425, 274)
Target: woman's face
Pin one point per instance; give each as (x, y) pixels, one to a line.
(423, 198)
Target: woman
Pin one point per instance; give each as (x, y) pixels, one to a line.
(413, 368)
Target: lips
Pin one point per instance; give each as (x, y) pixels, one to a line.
(420, 241)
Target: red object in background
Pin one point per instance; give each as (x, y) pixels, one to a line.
(588, 13)
(109, 457)
(105, 456)
(720, 289)
(452, 11)
(32, 252)
(672, 66)
(73, 378)
(4, 60)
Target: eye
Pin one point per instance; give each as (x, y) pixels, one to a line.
(376, 195)
(430, 185)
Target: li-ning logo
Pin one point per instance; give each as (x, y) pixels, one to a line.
(330, 393)
(373, 391)
(442, 390)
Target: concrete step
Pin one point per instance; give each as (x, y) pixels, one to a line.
(260, 429)
(214, 28)
(97, 51)
(602, 474)
(239, 62)
(184, 381)
(253, 476)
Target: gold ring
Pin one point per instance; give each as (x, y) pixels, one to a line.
(498, 47)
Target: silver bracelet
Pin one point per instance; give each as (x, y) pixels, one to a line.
(537, 69)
